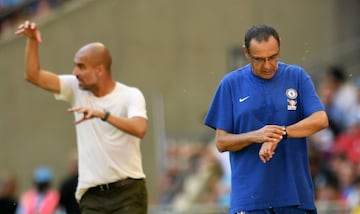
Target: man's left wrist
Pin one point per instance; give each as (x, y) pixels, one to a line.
(106, 116)
(285, 135)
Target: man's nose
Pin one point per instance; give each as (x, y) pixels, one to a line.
(75, 71)
(267, 63)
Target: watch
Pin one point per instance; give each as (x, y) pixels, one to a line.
(285, 135)
(106, 116)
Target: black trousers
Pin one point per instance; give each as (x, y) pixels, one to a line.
(129, 196)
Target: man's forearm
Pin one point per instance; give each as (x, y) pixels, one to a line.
(308, 126)
(232, 142)
(32, 64)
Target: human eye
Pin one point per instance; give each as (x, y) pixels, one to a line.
(274, 57)
(81, 66)
(258, 60)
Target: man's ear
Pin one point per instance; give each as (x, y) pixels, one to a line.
(246, 52)
(100, 70)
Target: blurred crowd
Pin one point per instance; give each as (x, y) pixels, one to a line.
(196, 174)
(335, 151)
(13, 12)
(43, 196)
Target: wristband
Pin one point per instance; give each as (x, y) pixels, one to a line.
(106, 116)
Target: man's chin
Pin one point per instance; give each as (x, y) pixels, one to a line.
(82, 87)
(267, 75)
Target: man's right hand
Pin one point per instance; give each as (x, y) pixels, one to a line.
(30, 30)
(270, 133)
(270, 136)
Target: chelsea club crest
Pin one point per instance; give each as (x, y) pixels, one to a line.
(292, 95)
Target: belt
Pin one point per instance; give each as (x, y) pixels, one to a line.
(113, 185)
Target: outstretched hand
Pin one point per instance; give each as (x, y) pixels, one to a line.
(88, 113)
(30, 30)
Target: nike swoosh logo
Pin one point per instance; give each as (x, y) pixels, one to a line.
(243, 99)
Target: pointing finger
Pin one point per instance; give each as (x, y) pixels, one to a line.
(32, 26)
(26, 24)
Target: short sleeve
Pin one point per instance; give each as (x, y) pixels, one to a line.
(311, 101)
(220, 115)
(67, 85)
(137, 104)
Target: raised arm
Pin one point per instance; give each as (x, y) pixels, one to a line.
(33, 73)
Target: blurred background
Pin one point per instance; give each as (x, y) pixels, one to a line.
(176, 52)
